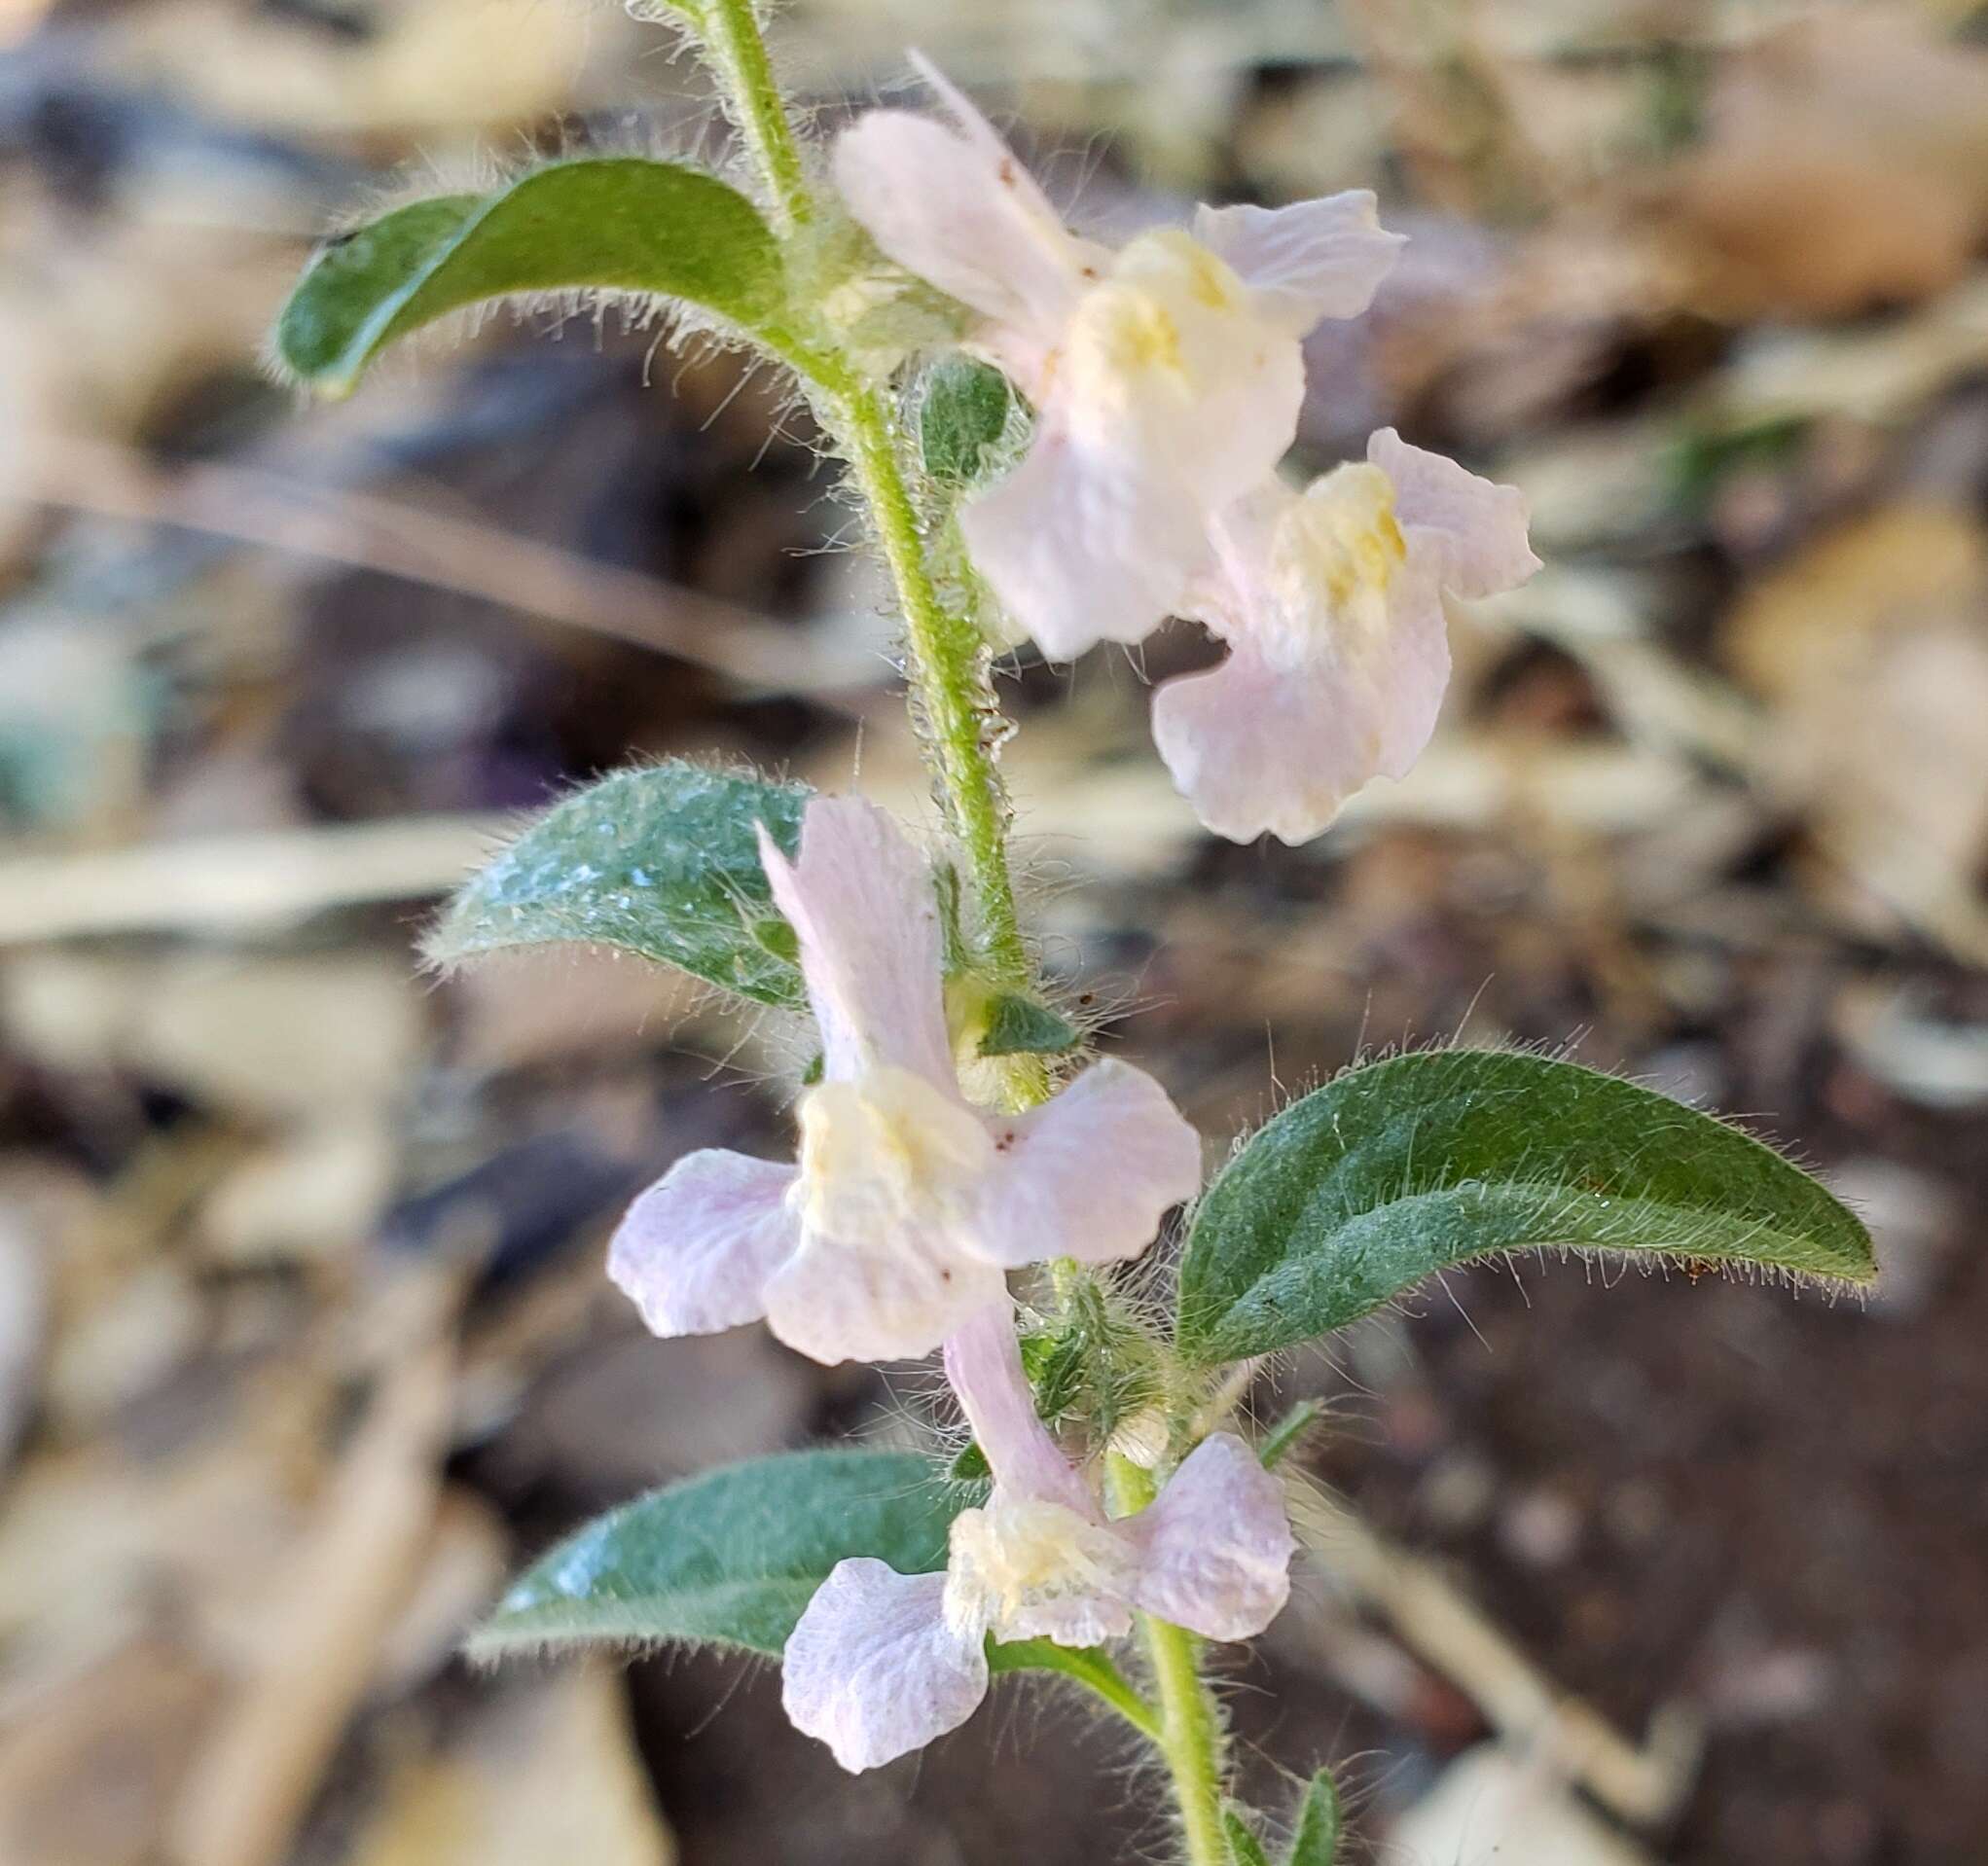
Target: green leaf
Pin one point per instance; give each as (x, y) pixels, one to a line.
(731, 1556)
(962, 421)
(1400, 1169)
(610, 223)
(1090, 1360)
(1316, 1840)
(969, 1465)
(663, 862)
(1021, 1025)
(1244, 1848)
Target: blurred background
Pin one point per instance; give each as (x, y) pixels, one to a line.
(304, 1339)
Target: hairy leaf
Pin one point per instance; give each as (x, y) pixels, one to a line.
(1316, 1840)
(1399, 1169)
(1021, 1025)
(614, 223)
(1089, 1361)
(663, 862)
(962, 421)
(731, 1556)
(1244, 1848)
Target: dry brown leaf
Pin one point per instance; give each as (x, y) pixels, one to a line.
(1846, 165)
(341, 1595)
(23, 1320)
(1814, 619)
(544, 1770)
(1896, 767)
(316, 1195)
(88, 1771)
(82, 349)
(1873, 646)
(421, 64)
(555, 1005)
(1938, 1062)
(235, 883)
(1882, 375)
(101, 1536)
(121, 1347)
(289, 1038)
(1493, 1805)
(462, 1570)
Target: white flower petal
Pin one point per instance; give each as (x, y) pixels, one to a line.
(1084, 544)
(889, 1154)
(884, 1297)
(873, 1670)
(1214, 1549)
(1471, 531)
(1028, 1569)
(984, 1368)
(1257, 748)
(696, 1251)
(1312, 260)
(1077, 1618)
(1167, 360)
(955, 207)
(1089, 1173)
(1234, 591)
(860, 900)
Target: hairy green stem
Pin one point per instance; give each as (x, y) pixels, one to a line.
(955, 703)
(947, 655)
(1190, 1736)
(736, 48)
(948, 675)
(1088, 1666)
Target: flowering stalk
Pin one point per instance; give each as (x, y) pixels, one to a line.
(947, 672)
(1190, 1733)
(735, 50)
(950, 693)
(947, 653)
(938, 1153)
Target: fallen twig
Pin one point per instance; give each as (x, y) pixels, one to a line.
(427, 547)
(227, 883)
(255, 1777)
(1644, 1785)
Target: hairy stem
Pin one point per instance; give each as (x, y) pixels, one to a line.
(736, 48)
(948, 676)
(1190, 1735)
(1088, 1666)
(947, 655)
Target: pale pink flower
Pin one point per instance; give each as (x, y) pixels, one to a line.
(881, 1662)
(1166, 376)
(1330, 601)
(909, 1204)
